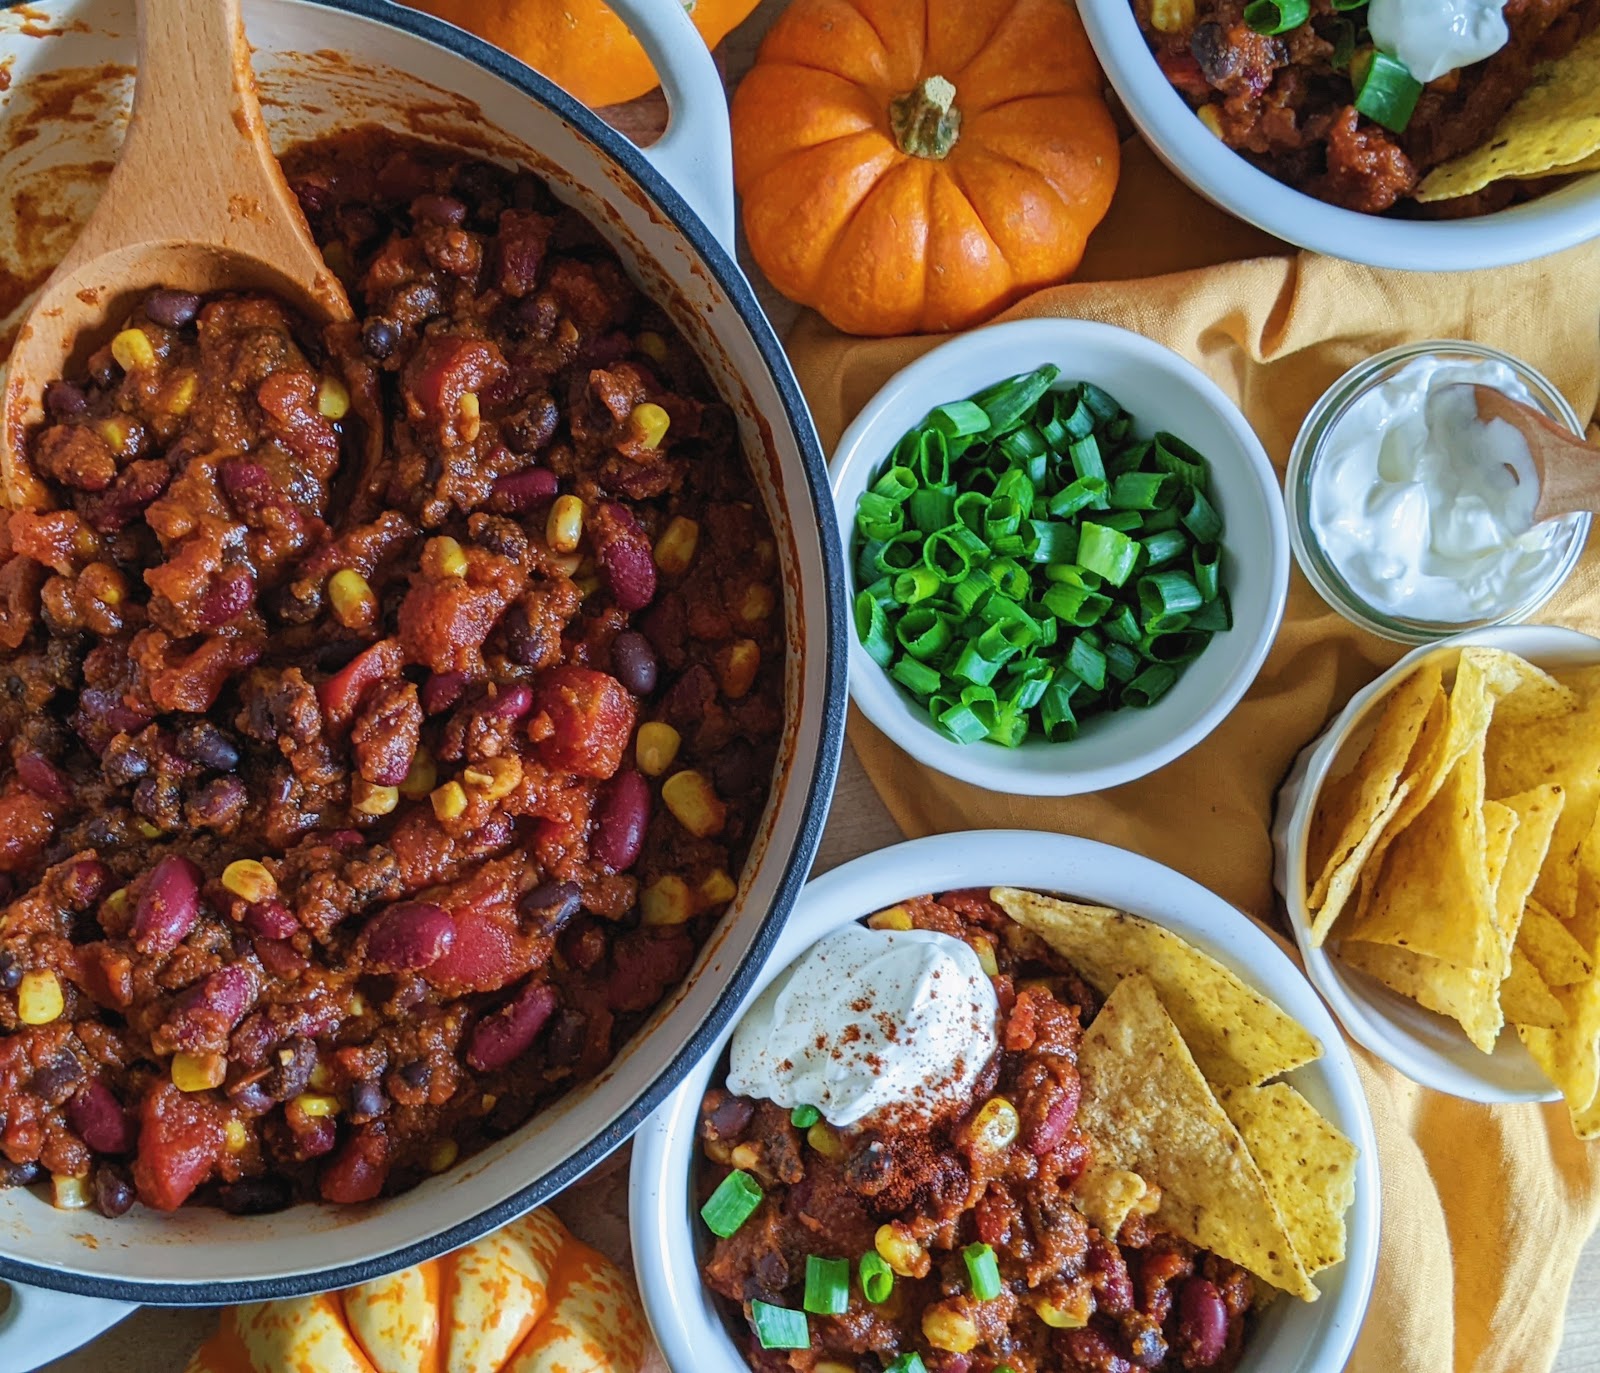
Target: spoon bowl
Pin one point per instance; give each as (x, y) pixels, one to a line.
(197, 202)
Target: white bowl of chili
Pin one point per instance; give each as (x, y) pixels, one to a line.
(1245, 550)
(670, 1242)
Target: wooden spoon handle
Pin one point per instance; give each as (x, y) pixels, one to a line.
(1568, 468)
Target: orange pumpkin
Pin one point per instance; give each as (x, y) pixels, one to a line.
(527, 1299)
(916, 165)
(580, 44)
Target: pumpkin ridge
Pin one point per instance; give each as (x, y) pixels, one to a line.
(960, 183)
(986, 147)
(977, 52)
(995, 155)
(845, 224)
(879, 92)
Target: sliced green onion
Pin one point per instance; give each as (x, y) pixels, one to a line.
(872, 628)
(897, 483)
(879, 517)
(1055, 710)
(1200, 519)
(1386, 92)
(1208, 570)
(931, 508)
(1150, 685)
(1086, 493)
(1007, 403)
(924, 633)
(1107, 552)
(1086, 461)
(827, 1286)
(733, 1203)
(952, 551)
(900, 553)
(777, 1327)
(877, 1278)
(907, 1363)
(804, 1117)
(961, 418)
(1343, 37)
(1087, 663)
(1166, 594)
(1163, 547)
(1141, 490)
(917, 678)
(983, 1270)
(1276, 16)
(1173, 455)
(1075, 605)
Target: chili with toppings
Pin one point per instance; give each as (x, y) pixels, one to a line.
(387, 713)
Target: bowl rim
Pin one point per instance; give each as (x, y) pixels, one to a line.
(1362, 1016)
(816, 774)
(661, 1220)
(990, 765)
(1561, 219)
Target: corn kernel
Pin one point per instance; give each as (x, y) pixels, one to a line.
(666, 901)
(333, 399)
(1171, 16)
(355, 606)
(368, 798)
(104, 583)
(443, 1155)
(180, 395)
(902, 1253)
(746, 1156)
(469, 416)
(449, 801)
(995, 1127)
(653, 346)
(198, 1072)
(148, 830)
(693, 804)
(833, 1366)
(39, 998)
(568, 564)
(132, 349)
(675, 548)
(68, 1193)
(948, 1328)
(321, 1079)
(117, 431)
(1207, 115)
(358, 1004)
(717, 889)
(494, 777)
(892, 918)
(246, 878)
(655, 746)
(984, 948)
(757, 604)
(315, 1104)
(422, 777)
(236, 1136)
(488, 1102)
(1068, 1311)
(444, 557)
(824, 1139)
(116, 905)
(738, 665)
(563, 527)
(650, 423)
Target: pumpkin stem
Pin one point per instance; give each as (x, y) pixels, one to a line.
(925, 121)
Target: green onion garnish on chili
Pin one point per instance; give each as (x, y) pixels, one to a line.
(907, 1363)
(1028, 560)
(732, 1204)
(877, 1278)
(983, 1271)
(827, 1286)
(777, 1327)
(804, 1117)
(1386, 92)
(1276, 16)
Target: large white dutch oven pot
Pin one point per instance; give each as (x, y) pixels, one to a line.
(328, 64)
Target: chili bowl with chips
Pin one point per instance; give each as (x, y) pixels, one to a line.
(811, 1185)
(1433, 849)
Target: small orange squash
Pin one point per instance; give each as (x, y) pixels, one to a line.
(527, 1299)
(580, 44)
(916, 165)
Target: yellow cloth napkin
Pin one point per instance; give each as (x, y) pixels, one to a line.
(1485, 1209)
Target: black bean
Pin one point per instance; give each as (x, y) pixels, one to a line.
(172, 309)
(417, 1074)
(113, 1192)
(366, 1101)
(564, 1044)
(63, 399)
(205, 744)
(739, 768)
(251, 1098)
(103, 368)
(10, 971)
(379, 337)
(292, 1065)
(633, 662)
(550, 905)
(255, 1196)
(530, 430)
(439, 209)
(18, 1174)
(56, 1081)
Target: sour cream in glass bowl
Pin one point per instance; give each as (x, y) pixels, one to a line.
(1411, 516)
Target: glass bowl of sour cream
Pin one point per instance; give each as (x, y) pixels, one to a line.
(1412, 517)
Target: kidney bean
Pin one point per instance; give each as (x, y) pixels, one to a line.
(85, 883)
(171, 309)
(205, 1012)
(314, 1136)
(409, 936)
(1089, 1349)
(1202, 1323)
(43, 778)
(270, 920)
(417, 1074)
(442, 690)
(229, 595)
(622, 815)
(729, 1118)
(626, 560)
(549, 906)
(55, 1081)
(360, 1169)
(500, 1039)
(255, 1196)
(509, 703)
(531, 429)
(250, 1098)
(633, 662)
(584, 943)
(113, 1191)
(205, 744)
(168, 906)
(519, 491)
(1113, 1287)
(1047, 1128)
(63, 400)
(100, 1120)
(439, 209)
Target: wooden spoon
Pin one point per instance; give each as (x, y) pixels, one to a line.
(196, 202)
(1568, 468)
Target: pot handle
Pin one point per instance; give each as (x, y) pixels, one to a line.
(39, 1325)
(695, 154)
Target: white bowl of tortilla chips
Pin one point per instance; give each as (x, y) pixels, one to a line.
(1438, 851)
(1213, 1054)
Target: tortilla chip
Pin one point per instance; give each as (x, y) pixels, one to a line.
(1354, 868)
(1569, 1054)
(1558, 958)
(1467, 995)
(1347, 810)
(1107, 1195)
(1554, 123)
(1433, 895)
(1536, 812)
(1147, 1108)
(1526, 999)
(1524, 693)
(1309, 1166)
(1236, 1034)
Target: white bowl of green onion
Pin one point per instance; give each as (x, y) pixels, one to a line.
(1066, 556)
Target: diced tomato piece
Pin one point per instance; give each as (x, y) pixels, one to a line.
(180, 1142)
(582, 721)
(341, 694)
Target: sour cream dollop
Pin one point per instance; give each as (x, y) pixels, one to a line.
(1425, 510)
(869, 1019)
(1433, 37)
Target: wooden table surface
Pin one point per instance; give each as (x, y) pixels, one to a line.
(159, 1341)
